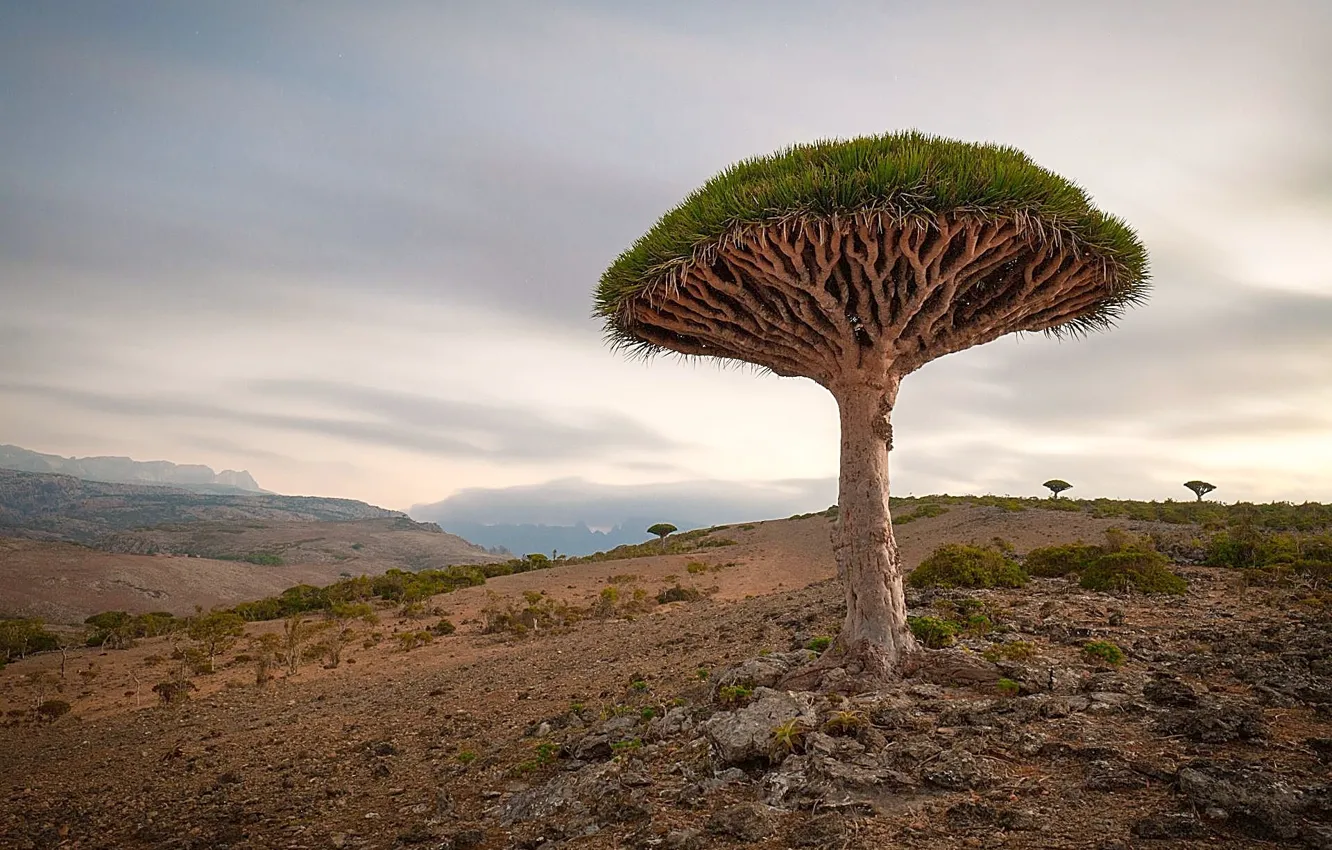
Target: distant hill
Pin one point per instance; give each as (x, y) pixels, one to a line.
(123, 470)
(62, 507)
(526, 538)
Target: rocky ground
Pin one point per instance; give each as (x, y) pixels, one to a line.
(666, 730)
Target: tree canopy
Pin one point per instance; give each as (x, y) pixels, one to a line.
(1057, 486)
(1199, 488)
(662, 529)
(888, 180)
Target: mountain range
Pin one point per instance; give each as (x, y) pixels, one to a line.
(123, 470)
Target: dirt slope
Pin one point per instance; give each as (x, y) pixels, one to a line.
(441, 746)
(64, 583)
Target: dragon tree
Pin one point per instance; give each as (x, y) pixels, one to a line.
(854, 263)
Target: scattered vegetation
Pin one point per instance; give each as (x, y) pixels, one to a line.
(846, 722)
(1007, 687)
(679, 594)
(1103, 652)
(819, 644)
(1132, 569)
(1059, 561)
(787, 738)
(734, 696)
(925, 511)
(932, 632)
(1013, 650)
(960, 565)
(536, 613)
(1124, 562)
(21, 636)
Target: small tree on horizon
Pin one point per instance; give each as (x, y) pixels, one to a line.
(1200, 488)
(662, 530)
(1057, 486)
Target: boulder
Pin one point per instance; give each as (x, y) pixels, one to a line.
(745, 735)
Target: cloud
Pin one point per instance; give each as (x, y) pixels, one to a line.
(395, 420)
(687, 504)
(188, 197)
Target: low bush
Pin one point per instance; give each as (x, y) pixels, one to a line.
(1133, 569)
(1059, 561)
(679, 594)
(407, 641)
(819, 644)
(443, 627)
(1013, 650)
(925, 511)
(733, 696)
(959, 565)
(1103, 652)
(932, 632)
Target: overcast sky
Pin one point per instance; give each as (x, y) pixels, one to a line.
(351, 247)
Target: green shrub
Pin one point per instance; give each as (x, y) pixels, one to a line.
(1058, 561)
(443, 627)
(1007, 687)
(846, 722)
(407, 641)
(1136, 569)
(932, 632)
(819, 644)
(1104, 652)
(959, 565)
(1013, 650)
(787, 738)
(733, 696)
(924, 511)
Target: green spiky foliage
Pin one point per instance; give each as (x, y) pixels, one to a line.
(892, 179)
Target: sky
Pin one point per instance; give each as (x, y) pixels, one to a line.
(351, 247)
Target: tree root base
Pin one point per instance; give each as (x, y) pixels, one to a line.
(839, 671)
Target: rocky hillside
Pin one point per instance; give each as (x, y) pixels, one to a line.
(62, 507)
(665, 725)
(123, 470)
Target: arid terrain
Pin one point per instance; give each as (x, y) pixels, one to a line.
(624, 728)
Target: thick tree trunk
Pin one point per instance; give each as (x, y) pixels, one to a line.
(875, 636)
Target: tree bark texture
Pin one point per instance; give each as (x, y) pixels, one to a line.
(875, 636)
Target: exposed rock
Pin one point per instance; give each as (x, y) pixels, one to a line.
(464, 839)
(684, 839)
(1167, 826)
(826, 830)
(744, 735)
(601, 793)
(1215, 722)
(762, 672)
(1255, 803)
(743, 821)
(1170, 692)
(978, 814)
(675, 723)
(957, 668)
(956, 769)
(1112, 776)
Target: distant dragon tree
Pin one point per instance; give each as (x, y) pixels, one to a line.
(854, 263)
